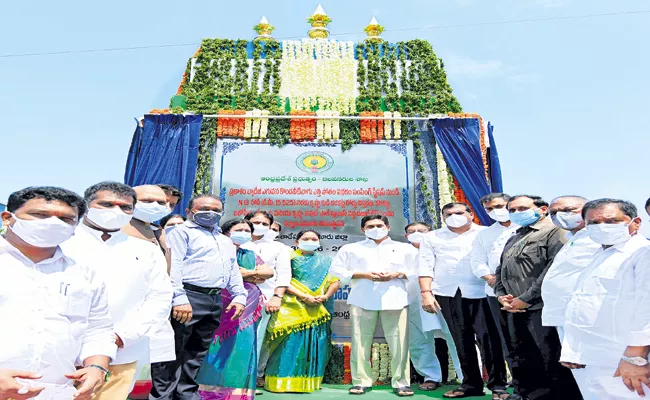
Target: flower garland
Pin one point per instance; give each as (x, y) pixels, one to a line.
(371, 129)
(444, 188)
(302, 129)
(387, 125)
(233, 127)
(374, 362)
(318, 74)
(264, 124)
(347, 373)
(384, 364)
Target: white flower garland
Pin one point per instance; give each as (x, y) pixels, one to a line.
(444, 189)
(336, 128)
(397, 125)
(374, 360)
(264, 124)
(320, 125)
(248, 124)
(257, 122)
(387, 124)
(318, 73)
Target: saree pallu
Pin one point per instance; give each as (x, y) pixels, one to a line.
(229, 369)
(299, 335)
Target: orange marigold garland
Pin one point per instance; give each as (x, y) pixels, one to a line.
(347, 374)
(231, 127)
(301, 130)
(371, 129)
(460, 197)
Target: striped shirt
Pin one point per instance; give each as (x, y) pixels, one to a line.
(204, 258)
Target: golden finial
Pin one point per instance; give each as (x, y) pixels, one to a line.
(374, 30)
(319, 21)
(264, 30)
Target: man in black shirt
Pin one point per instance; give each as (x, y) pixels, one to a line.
(526, 257)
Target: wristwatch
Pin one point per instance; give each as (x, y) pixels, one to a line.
(278, 296)
(638, 361)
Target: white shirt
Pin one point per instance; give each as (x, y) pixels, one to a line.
(423, 320)
(445, 257)
(139, 289)
(276, 256)
(368, 256)
(54, 313)
(563, 275)
(488, 246)
(610, 306)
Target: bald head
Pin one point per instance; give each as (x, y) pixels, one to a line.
(151, 194)
(570, 210)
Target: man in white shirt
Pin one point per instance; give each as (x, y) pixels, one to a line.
(570, 261)
(445, 271)
(485, 258)
(425, 328)
(607, 321)
(57, 308)
(139, 289)
(203, 263)
(276, 256)
(377, 269)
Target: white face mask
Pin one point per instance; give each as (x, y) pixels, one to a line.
(308, 245)
(260, 230)
(150, 212)
(110, 219)
(500, 214)
(567, 220)
(415, 237)
(609, 234)
(456, 221)
(44, 233)
(376, 233)
(271, 235)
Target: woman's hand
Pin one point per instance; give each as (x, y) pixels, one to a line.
(322, 299)
(310, 300)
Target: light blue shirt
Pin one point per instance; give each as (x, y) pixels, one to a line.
(204, 258)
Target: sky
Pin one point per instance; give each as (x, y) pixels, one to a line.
(569, 99)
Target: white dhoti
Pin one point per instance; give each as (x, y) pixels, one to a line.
(599, 383)
(424, 328)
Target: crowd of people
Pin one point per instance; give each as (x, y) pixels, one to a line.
(97, 288)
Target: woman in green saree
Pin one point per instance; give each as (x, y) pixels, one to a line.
(299, 336)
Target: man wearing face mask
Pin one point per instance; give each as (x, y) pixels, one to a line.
(606, 328)
(378, 270)
(138, 286)
(55, 309)
(426, 330)
(277, 257)
(527, 256)
(173, 194)
(569, 263)
(445, 271)
(485, 258)
(203, 263)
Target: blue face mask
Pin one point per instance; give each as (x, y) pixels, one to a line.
(308, 245)
(207, 218)
(240, 237)
(525, 218)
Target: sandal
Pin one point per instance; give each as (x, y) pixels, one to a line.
(500, 395)
(428, 386)
(462, 392)
(359, 390)
(404, 391)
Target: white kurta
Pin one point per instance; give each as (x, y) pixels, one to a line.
(367, 256)
(445, 257)
(277, 257)
(563, 275)
(608, 311)
(139, 289)
(58, 312)
(486, 253)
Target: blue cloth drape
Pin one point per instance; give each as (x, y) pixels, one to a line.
(459, 141)
(165, 151)
(496, 180)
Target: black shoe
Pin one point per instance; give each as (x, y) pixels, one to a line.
(515, 397)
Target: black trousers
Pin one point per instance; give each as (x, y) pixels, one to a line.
(536, 359)
(500, 317)
(469, 320)
(176, 380)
